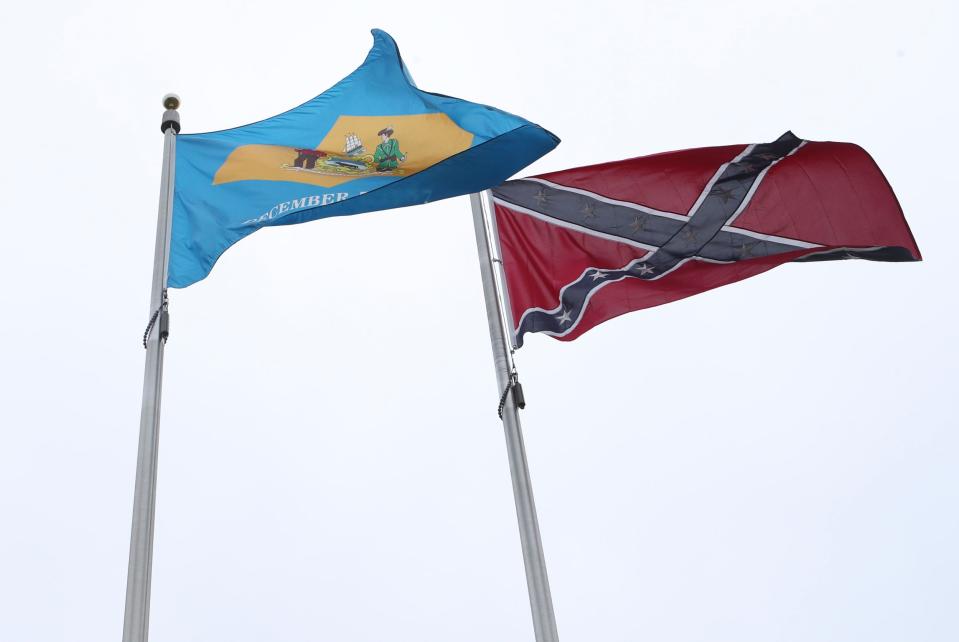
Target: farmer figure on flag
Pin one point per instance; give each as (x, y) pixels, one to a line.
(388, 155)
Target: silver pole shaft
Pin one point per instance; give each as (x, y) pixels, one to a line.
(136, 617)
(500, 272)
(540, 600)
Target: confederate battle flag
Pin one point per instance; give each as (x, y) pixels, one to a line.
(584, 245)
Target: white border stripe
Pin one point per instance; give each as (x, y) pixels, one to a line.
(571, 226)
(769, 237)
(643, 246)
(847, 248)
(604, 199)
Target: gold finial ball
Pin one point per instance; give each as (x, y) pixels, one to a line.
(171, 101)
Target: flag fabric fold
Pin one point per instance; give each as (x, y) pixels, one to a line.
(584, 245)
(373, 141)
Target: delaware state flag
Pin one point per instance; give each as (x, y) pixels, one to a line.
(373, 141)
(584, 245)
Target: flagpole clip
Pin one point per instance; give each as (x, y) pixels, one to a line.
(519, 399)
(165, 318)
(161, 315)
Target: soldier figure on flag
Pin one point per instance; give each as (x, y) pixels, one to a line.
(388, 155)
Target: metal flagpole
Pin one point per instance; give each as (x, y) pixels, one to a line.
(537, 582)
(136, 616)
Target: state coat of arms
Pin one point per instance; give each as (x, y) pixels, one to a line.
(354, 159)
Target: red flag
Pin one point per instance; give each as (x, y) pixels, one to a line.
(584, 245)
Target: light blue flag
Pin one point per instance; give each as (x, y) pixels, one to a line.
(371, 142)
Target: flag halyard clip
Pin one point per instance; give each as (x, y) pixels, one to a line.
(163, 314)
(518, 398)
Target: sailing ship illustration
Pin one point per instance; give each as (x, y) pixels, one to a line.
(354, 146)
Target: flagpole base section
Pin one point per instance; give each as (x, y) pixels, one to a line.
(537, 581)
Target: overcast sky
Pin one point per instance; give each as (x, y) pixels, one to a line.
(331, 463)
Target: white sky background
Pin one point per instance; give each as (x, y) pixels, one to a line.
(774, 460)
